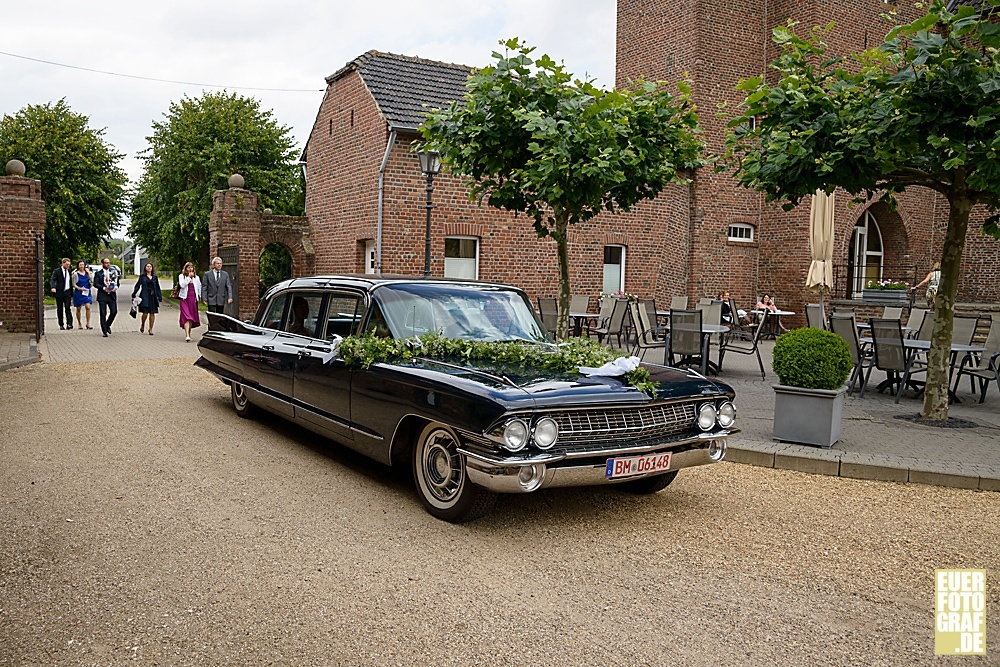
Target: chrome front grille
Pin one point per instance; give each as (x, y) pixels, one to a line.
(577, 427)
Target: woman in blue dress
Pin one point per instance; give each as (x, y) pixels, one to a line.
(81, 292)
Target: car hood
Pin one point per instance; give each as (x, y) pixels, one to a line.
(548, 387)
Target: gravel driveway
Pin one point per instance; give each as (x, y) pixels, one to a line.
(142, 522)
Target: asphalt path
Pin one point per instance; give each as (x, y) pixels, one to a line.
(142, 522)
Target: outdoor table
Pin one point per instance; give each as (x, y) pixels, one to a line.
(775, 317)
(707, 331)
(579, 319)
(916, 346)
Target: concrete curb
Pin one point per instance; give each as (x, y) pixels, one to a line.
(32, 358)
(838, 463)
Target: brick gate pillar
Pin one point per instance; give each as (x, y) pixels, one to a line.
(235, 220)
(22, 223)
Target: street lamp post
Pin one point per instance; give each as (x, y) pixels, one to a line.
(430, 164)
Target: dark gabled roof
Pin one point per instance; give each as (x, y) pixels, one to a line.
(402, 85)
(981, 6)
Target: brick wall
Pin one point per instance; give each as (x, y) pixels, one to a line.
(22, 221)
(235, 220)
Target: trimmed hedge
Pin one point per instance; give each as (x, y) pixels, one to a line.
(812, 359)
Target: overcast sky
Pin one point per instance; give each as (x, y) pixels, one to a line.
(292, 44)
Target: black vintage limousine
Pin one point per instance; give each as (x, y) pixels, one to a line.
(469, 430)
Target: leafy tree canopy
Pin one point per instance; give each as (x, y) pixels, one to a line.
(192, 153)
(82, 184)
(920, 110)
(530, 138)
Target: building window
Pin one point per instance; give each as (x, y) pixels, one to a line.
(461, 257)
(614, 268)
(370, 256)
(741, 232)
(866, 252)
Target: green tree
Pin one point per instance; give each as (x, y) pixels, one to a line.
(192, 153)
(82, 184)
(920, 110)
(529, 138)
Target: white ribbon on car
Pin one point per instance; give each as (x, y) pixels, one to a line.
(334, 347)
(619, 366)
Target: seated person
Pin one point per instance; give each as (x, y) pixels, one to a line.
(300, 313)
(727, 312)
(767, 303)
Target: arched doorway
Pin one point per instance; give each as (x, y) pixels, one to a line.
(275, 266)
(866, 253)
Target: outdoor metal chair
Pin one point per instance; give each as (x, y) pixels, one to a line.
(843, 325)
(926, 326)
(678, 303)
(705, 300)
(814, 316)
(647, 334)
(733, 342)
(579, 303)
(987, 368)
(686, 339)
(607, 305)
(891, 355)
(614, 324)
(964, 330)
(892, 313)
(741, 327)
(549, 310)
(915, 321)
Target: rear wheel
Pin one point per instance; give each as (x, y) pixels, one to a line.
(648, 485)
(241, 401)
(441, 479)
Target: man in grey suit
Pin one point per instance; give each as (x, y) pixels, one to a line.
(217, 288)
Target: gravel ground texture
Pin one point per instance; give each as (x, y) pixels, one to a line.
(142, 522)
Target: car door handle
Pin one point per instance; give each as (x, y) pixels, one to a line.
(305, 353)
(267, 348)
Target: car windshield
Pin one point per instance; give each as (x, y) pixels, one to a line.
(469, 312)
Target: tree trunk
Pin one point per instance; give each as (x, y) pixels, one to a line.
(938, 358)
(562, 252)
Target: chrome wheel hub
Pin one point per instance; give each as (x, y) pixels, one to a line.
(442, 466)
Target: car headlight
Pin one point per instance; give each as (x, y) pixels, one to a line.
(727, 414)
(546, 432)
(706, 417)
(515, 435)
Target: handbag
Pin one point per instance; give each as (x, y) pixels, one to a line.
(175, 293)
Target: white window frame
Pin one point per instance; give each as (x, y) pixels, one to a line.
(742, 226)
(478, 242)
(621, 269)
(369, 256)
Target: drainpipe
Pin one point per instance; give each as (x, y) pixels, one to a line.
(381, 189)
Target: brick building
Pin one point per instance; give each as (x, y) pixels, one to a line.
(695, 239)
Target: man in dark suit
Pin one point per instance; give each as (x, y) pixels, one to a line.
(61, 284)
(106, 282)
(217, 288)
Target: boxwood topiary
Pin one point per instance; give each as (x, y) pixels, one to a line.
(812, 359)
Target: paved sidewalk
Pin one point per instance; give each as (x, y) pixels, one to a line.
(874, 444)
(125, 341)
(17, 349)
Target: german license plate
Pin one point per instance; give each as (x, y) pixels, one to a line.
(637, 465)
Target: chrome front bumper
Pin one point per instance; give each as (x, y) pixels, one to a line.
(557, 469)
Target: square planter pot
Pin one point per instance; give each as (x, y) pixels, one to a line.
(808, 416)
(899, 296)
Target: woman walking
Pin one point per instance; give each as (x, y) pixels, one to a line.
(190, 295)
(81, 292)
(933, 281)
(148, 289)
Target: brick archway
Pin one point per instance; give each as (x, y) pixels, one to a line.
(237, 221)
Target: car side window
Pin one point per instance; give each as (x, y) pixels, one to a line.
(342, 314)
(303, 314)
(273, 316)
(377, 323)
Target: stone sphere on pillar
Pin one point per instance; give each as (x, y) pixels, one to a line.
(236, 181)
(15, 168)
(268, 211)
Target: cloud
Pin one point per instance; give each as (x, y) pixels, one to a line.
(294, 44)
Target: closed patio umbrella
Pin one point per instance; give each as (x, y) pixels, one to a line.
(820, 276)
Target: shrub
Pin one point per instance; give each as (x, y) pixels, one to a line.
(812, 359)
